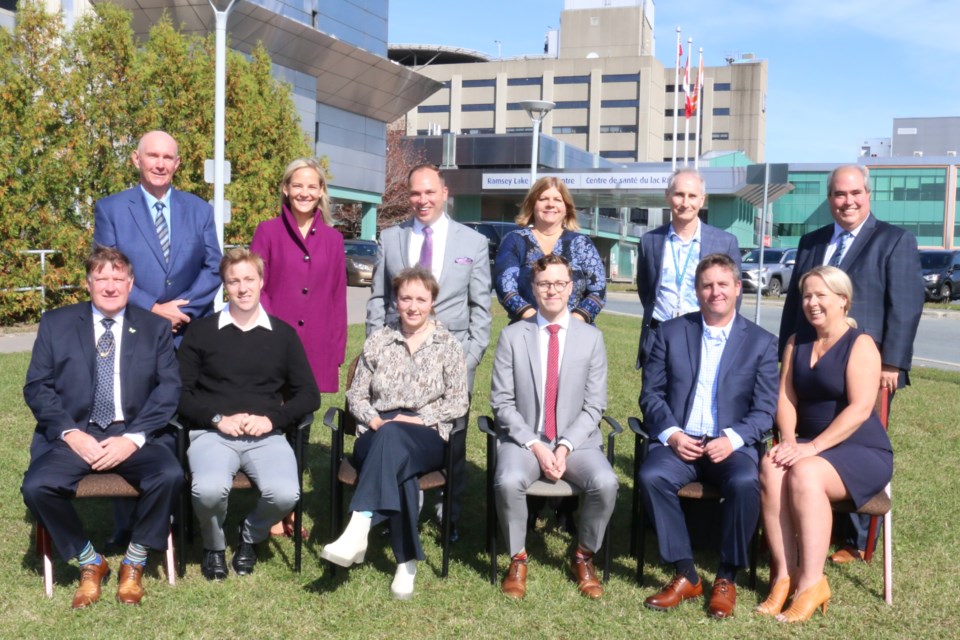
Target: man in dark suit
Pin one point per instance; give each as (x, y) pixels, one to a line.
(548, 392)
(669, 254)
(884, 265)
(459, 259)
(709, 394)
(169, 236)
(102, 381)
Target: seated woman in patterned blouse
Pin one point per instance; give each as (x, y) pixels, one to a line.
(550, 222)
(409, 386)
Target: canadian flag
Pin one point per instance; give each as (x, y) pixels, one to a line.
(690, 101)
(693, 100)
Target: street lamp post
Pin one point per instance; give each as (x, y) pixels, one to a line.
(537, 110)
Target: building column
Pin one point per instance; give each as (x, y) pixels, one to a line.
(368, 223)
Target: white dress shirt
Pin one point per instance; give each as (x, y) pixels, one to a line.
(677, 294)
(440, 228)
(544, 337)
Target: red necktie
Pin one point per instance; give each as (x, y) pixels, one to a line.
(553, 382)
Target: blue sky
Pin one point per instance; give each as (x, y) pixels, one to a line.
(839, 70)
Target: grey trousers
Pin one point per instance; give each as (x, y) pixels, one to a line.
(215, 459)
(588, 469)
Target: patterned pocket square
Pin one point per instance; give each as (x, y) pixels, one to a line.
(463, 260)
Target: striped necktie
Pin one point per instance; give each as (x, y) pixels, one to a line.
(842, 243)
(163, 231)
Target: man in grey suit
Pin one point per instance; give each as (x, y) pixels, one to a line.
(459, 259)
(548, 393)
(669, 254)
(884, 265)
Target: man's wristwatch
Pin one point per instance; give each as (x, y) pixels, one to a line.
(215, 420)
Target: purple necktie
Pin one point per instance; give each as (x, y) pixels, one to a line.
(426, 250)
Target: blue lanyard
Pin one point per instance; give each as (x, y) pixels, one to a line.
(676, 265)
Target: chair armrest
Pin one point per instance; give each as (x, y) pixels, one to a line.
(333, 417)
(485, 423)
(460, 424)
(642, 444)
(180, 437)
(615, 430)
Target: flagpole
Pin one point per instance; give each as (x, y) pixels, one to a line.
(686, 120)
(698, 96)
(676, 98)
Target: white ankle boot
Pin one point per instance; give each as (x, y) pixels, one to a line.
(351, 546)
(402, 586)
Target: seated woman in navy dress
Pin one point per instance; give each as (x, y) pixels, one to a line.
(550, 226)
(832, 444)
(410, 385)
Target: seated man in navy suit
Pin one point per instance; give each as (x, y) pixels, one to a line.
(103, 380)
(709, 394)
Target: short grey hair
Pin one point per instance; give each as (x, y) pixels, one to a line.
(672, 183)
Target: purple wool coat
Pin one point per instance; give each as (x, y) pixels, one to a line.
(305, 285)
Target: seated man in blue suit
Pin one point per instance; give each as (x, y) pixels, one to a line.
(102, 381)
(169, 236)
(709, 394)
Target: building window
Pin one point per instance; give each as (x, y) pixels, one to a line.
(806, 187)
(569, 130)
(721, 86)
(721, 111)
(680, 136)
(670, 88)
(571, 80)
(471, 132)
(621, 77)
(479, 83)
(618, 128)
(477, 107)
(613, 104)
(721, 135)
(573, 104)
(524, 82)
(618, 153)
(433, 108)
(519, 129)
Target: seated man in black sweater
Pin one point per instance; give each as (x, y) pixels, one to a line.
(245, 377)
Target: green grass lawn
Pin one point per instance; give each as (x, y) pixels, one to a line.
(276, 603)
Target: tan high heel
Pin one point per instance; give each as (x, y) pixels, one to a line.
(779, 592)
(807, 601)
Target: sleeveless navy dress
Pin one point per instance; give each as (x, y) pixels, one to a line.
(864, 460)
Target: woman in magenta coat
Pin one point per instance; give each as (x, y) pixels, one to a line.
(304, 270)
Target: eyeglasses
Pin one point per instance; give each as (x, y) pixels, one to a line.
(543, 287)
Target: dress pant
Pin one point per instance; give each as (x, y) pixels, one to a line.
(663, 473)
(389, 462)
(587, 468)
(51, 480)
(269, 462)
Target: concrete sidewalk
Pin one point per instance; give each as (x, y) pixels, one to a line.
(21, 339)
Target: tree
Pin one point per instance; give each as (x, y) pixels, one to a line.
(72, 107)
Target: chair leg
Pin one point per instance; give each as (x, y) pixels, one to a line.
(754, 556)
(607, 537)
(871, 539)
(888, 557)
(298, 532)
(641, 537)
(446, 525)
(171, 563)
(44, 548)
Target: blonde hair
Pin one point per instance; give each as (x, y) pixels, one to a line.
(836, 281)
(308, 163)
(525, 217)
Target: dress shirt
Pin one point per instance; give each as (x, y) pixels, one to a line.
(440, 228)
(679, 258)
(702, 420)
(835, 241)
(166, 209)
(225, 320)
(544, 335)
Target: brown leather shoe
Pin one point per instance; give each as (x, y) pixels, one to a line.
(586, 577)
(846, 554)
(92, 576)
(723, 599)
(515, 582)
(678, 590)
(129, 587)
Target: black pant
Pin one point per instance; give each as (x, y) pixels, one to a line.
(51, 480)
(389, 462)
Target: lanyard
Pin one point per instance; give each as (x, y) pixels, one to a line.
(676, 265)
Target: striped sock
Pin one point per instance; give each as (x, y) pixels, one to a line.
(136, 554)
(88, 555)
(521, 557)
(583, 554)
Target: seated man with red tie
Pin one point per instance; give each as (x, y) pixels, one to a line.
(102, 381)
(548, 392)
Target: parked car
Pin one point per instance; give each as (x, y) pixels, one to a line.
(494, 231)
(361, 256)
(941, 274)
(774, 278)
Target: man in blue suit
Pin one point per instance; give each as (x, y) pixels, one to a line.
(709, 394)
(669, 254)
(884, 265)
(169, 236)
(103, 380)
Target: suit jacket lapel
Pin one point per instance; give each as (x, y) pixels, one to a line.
(86, 338)
(406, 230)
(531, 339)
(449, 255)
(694, 336)
(658, 246)
(144, 221)
(177, 203)
(128, 346)
(735, 342)
(820, 247)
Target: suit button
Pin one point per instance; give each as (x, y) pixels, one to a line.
(169, 283)
(300, 323)
(305, 291)
(306, 258)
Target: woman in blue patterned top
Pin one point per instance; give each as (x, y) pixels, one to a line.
(550, 226)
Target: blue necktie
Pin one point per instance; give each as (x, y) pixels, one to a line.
(103, 409)
(842, 244)
(163, 231)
